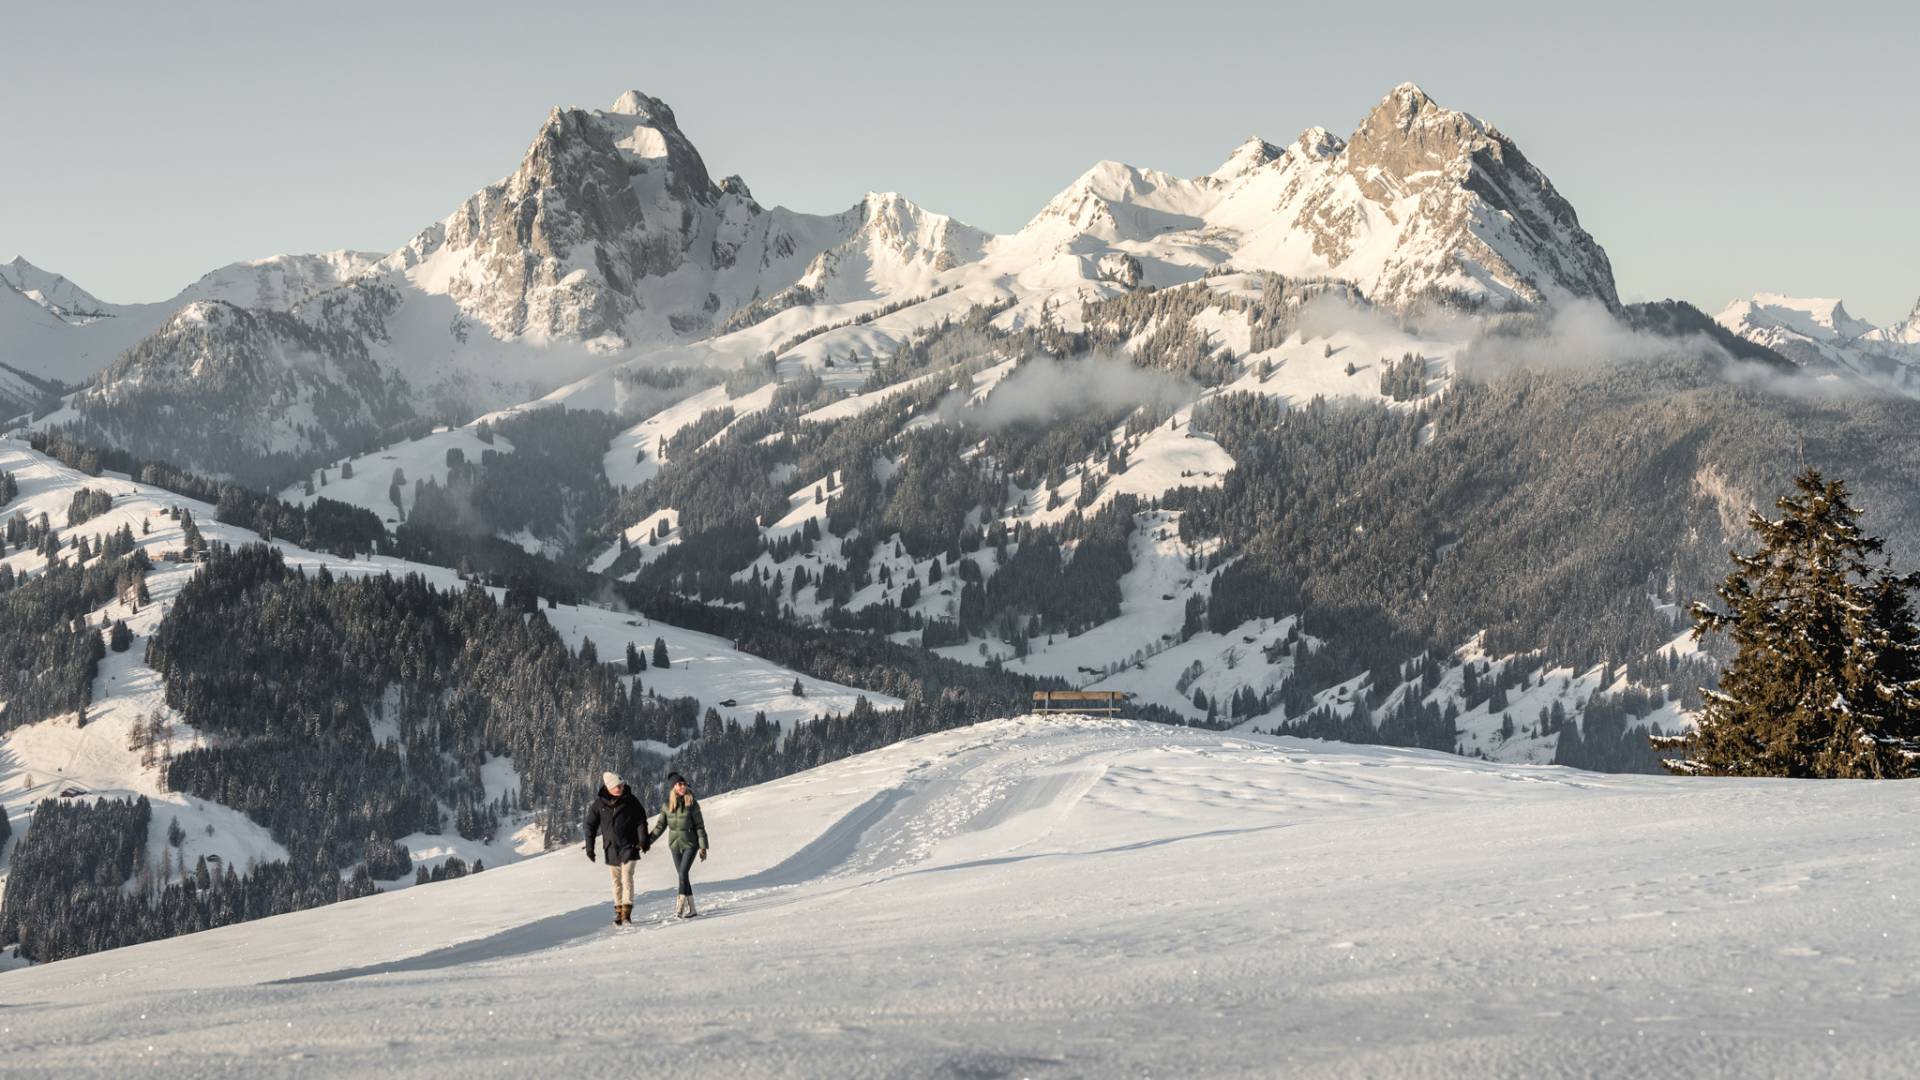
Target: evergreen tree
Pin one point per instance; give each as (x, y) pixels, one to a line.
(660, 653)
(1826, 682)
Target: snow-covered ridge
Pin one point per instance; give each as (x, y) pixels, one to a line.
(73, 335)
(1060, 894)
(1821, 335)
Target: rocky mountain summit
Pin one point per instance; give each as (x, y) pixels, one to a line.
(1421, 203)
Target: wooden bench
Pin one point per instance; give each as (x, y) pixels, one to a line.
(1108, 702)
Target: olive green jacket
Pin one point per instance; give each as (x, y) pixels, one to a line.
(685, 828)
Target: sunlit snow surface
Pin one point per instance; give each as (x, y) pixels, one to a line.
(1048, 896)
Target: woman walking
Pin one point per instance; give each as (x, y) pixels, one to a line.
(616, 818)
(686, 834)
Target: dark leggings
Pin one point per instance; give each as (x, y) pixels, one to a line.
(683, 862)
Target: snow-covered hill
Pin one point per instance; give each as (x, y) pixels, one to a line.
(98, 758)
(1076, 897)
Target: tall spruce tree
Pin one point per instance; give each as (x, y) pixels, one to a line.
(1826, 682)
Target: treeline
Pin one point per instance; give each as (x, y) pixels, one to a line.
(1573, 514)
(551, 485)
(326, 525)
(66, 889)
(49, 654)
(292, 672)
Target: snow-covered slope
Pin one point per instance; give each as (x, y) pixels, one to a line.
(40, 760)
(1820, 335)
(63, 299)
(1075, 897)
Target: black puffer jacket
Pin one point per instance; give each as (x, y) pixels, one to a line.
(621, 825)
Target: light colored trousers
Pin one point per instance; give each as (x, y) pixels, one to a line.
(623, 881)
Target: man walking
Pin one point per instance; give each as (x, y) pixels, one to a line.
(616, 817)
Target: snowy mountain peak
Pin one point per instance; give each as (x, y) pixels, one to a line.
(1317, 142)
(1817, 318)
(1422, 203)
(644, 128)
(1248, 156)
(895, 248)
(1408, 132)
(1904, 333)
(650, 109)
(65, 300)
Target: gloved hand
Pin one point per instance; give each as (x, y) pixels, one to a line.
(590, 857)
(703, 854)
(645, 847)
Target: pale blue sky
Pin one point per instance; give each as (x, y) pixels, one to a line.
(1713, 149)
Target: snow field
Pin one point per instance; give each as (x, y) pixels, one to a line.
(419, 459)
(1068, 896)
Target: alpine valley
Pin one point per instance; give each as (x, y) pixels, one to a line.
(337, 573)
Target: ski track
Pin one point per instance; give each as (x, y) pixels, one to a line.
(1078, 897)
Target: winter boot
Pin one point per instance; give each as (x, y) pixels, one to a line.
(625, 916)
(680, 907)
(619, 914)
(690, 912)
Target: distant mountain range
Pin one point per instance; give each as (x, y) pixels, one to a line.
(612, 250)
(1819, 334)
(612, 243)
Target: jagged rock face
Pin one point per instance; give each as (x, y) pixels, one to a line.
(1421, 202)
(613, 233)
(559, 249)
(1481, 210)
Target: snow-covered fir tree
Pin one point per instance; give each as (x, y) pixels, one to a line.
(1826, 682)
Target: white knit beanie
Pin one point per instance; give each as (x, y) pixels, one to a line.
(611, 780)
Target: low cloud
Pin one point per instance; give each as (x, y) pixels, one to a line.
(1335, 312)
(1578, 335)
(1044, 387)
